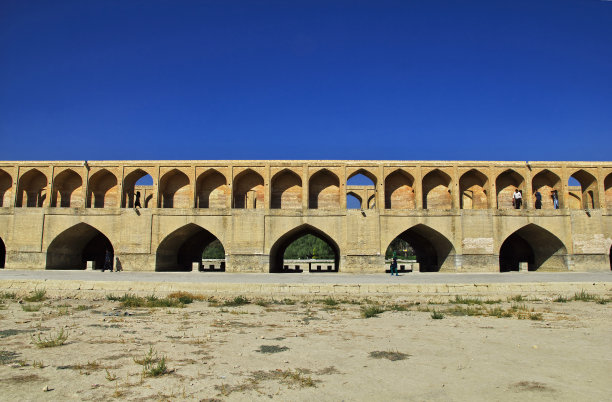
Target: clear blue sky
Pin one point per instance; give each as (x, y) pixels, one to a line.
(430, 79)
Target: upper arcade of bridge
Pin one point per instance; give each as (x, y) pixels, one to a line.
(398, 185)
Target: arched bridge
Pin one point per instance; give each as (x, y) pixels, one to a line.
(457, 216)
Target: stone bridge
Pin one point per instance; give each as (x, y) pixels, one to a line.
(457, 215)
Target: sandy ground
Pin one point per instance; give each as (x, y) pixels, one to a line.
(307, 350)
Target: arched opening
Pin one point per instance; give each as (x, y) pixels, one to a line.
(188, 245)
(72, 248)
(608, 190)
(102, 191)
(67, 187)
(546, 183)
(286, 190)
(430, 248)
(249, 190)
(506, 184)
(2, 253)
(472, 187)
(399, 191)
(353, 201)
(306, 241)
(324, 190)
(212, 190)
(436, 190)
(536, 246)
(362, 185)
(32, 189)
(137, 186)
(174, 190)
(6, 183)
(582, 188)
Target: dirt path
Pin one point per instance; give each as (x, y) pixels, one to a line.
(511, 350)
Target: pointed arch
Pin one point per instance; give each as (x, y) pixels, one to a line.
(352, 195)
(436, 190)
(2, 253)
(286, 190)
(129, 188)
(506, 184)
(174, 190)
(546, 182)
(589, 194)
(66, 190)
(73, 247)
(364, 172)
(181, 248)
(249, 190)
(102, 191)
(608, 190)
(399, 190)
(32, 190)
(277, 251)
(324, 190)
(212, 190)
(6, 184)
(473, 186)
(536, 246)
(432, 248)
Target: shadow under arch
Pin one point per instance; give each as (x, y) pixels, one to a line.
(536, 246)
(2, 253)
(181, 248)
(431, 247)
(76, 245)
(277, 251)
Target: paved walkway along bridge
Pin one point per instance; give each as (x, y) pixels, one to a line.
(457, 216)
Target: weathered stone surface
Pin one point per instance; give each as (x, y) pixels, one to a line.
(457, 215)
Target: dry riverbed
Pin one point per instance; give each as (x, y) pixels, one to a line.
(195, 347)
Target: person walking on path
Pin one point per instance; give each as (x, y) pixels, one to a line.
(555, 198)
(394, 264)
(517, 199)
(538, 201)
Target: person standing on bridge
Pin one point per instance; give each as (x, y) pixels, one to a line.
(555, 198)
(538, 201)
(517, 199)
(137, 202)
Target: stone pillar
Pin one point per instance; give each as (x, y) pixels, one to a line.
(195, 267)
(416, 267)
(455, 191)
(418, 187)
(267, 187)
(492, 188)
(120, 180)
(527, 193)
(91, 265)
(523, 267)
(342, 189)
(156, 198)
(85, 187)
(17, 189)
(194, 189)
(49, 200)
(380, 188)
(564, 190)
(230, 185)
(305, 187)
(601, 189)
